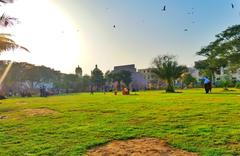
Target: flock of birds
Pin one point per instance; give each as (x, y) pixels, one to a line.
(165, 9)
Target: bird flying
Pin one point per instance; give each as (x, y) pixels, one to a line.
(164, 8)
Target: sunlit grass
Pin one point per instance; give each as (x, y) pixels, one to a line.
(192, 120)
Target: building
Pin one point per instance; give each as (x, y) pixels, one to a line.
(78, 71)
(153, 82)
(235, 76)
(131, 68)
(138, 81)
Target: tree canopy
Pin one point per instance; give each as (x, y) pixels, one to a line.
(167, 68)
(224, 51)
(97, 78)
(6, 43)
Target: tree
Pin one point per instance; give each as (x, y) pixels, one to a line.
(224, 51)
(126, 77)
(107, 77)
(6, 43)
(212, 63)
(116, 76)
(86, 82)
(167, 68)
(228, 42)
(226, 79)
(121, 76)
(188, 79)
(97, 78)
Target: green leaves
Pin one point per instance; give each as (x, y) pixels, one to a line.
(7, 43)
(225, 50)
(124, 76)
(167, 68)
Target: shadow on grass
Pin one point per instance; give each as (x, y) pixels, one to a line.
(177, 92)
(232, 92)
(135, 94)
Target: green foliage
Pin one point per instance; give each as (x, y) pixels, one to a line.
(86, 82)
(121, 76)
(97, 78)
(237, 85)
(126, 77)
(212, 63)
(167, 68)
(188, 79)
(37, 75)
(6, 43)
(69, 81)
(21, 72)
(225, 50)
(226, 81)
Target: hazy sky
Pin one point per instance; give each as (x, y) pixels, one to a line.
(142, 31)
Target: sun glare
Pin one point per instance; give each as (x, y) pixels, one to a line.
(45, 30)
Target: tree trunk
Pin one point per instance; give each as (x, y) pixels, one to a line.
(170, 87)
(119, 88)
(213, 77)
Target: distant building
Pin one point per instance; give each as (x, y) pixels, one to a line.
(218, 75)
(236, 75)
(153, 82)
(223, 71)
(78, 71)
(131, 68)
(138, 81)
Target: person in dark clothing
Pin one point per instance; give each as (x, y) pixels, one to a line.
(207, 85)
(91, 90)
(41, 91)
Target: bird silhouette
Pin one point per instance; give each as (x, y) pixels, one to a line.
(232, 5)
(185, 29)
(114, 26)
(164, 8)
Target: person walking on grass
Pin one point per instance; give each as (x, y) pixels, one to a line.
(207, 85)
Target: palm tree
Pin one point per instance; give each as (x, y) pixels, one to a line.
(167, 69)
(8, 44)
(6, 1)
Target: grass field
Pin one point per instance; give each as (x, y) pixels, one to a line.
(192, 120)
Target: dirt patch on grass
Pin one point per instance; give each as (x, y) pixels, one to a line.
(234, 145)
(3, 117)
(138, 147)
(40, 112)
(21, 103)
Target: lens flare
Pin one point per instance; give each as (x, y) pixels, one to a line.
(5, 73)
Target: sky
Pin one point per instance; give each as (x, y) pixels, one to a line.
(62, 34)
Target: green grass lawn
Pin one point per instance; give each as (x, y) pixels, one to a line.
(192, 120)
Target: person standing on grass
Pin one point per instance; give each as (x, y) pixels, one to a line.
(91, 90)
(207, 85)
